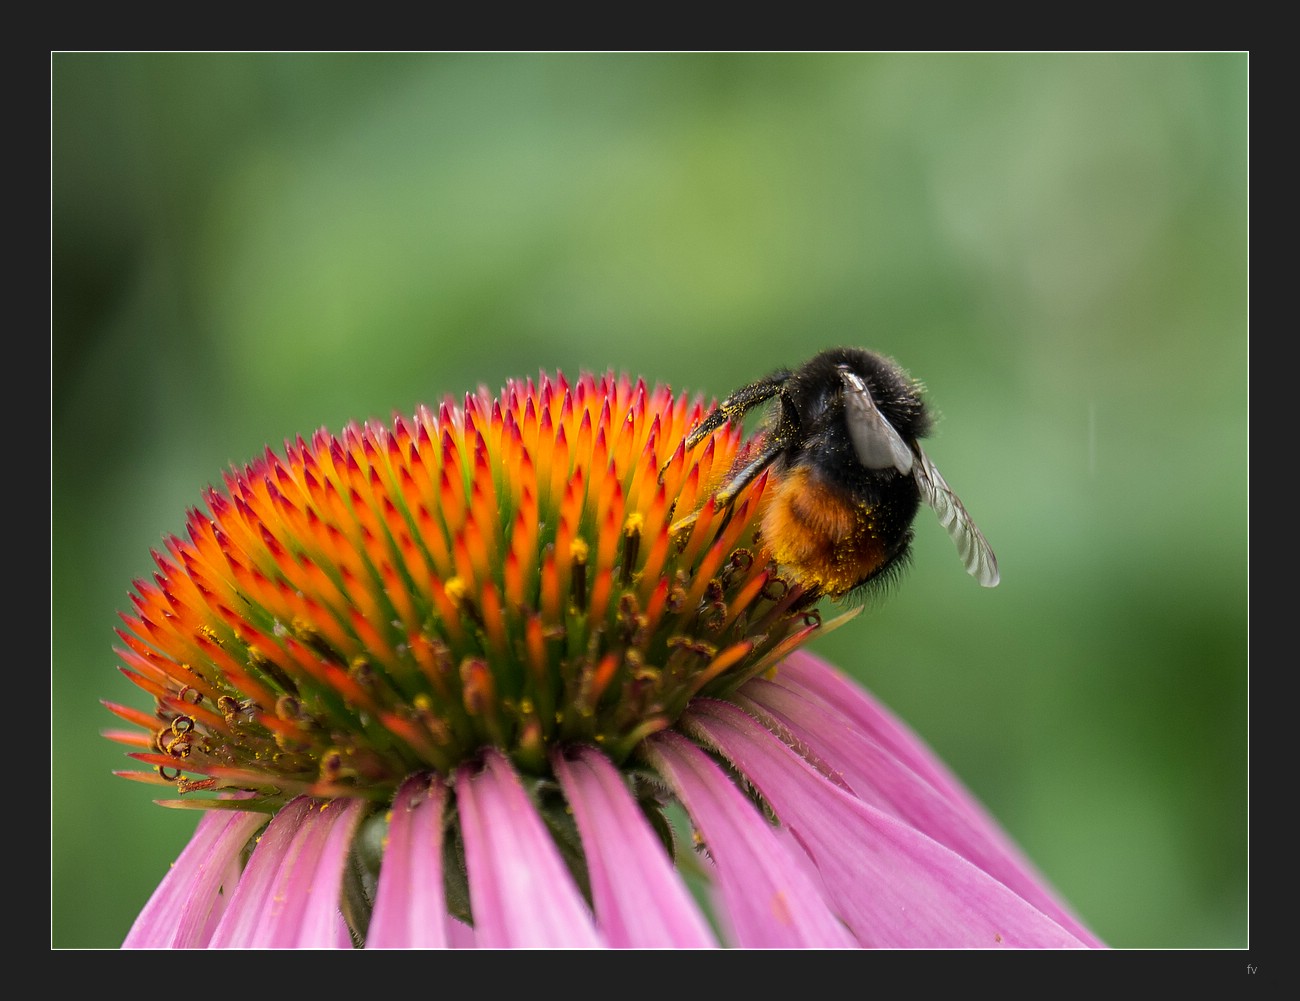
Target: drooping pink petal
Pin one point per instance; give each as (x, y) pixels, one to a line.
(893, 885)
(249, 904)
(639, 899)
(181, 912)
(410, 909)
(319, 921)
(521, 894)
(808, 673)
(460, 935)
(234, 871)
(876, 776)
(767, 901)
(961, 822)
(289, 896)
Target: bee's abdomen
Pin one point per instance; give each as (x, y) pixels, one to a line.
(822, 536)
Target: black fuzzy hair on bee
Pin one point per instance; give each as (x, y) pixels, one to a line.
(845, 445)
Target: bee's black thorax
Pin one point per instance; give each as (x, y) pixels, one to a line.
(813, 392)
(812, 426)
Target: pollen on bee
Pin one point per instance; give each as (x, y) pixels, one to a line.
(820, 536)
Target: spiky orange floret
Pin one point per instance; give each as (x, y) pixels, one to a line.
(541, 567)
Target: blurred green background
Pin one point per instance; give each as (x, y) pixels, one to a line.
(248, 247)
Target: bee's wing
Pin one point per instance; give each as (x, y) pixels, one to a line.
(877, 444)
(971, 545)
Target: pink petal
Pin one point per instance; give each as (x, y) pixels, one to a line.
(460, 935)
(768, 902)
(805, 673)
(892, 885)
(341, 932)
(180, 913)
(319, 921)
(289, 895)
(410, 909)
(640, 900)
(239, 926)
(521, 893)
(952, 816)
(234, 872)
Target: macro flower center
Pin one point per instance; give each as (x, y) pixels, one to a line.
(525, 572)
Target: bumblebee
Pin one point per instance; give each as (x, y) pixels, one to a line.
(845, 445)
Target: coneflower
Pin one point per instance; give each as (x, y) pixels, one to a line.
(508, 676)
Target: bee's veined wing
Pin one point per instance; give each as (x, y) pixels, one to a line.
(875, 441)
(973, 548)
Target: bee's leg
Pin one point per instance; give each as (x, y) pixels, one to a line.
(737, 405)
(773, 446)
(723, 498)
(733, 408)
